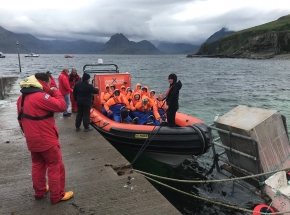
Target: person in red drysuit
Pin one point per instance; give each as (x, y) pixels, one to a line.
(35, 109)
(73, 79)
(52, 81)
(65, 89)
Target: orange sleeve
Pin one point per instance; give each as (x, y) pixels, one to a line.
(108, 104)
(155, 112)
(132, 108)
(102, 98)
(107, 96)
(129, 96)
(139, 104)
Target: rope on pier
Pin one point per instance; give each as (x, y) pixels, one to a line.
(214, 202)
(211, 181)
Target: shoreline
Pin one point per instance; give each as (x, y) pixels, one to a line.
(282, 57)
(275, 57)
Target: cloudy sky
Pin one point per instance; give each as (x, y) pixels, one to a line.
(182, 21)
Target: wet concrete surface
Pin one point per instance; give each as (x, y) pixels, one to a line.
(87, 157)
(6, 83)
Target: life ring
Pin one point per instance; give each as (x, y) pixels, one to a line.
(262, 208)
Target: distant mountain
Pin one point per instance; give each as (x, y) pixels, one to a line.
(29, 43)
(74, 47)
(173, 48)
(219, 34)
(119, 44)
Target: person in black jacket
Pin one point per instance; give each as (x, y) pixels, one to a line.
(82, 93)
(172, 96)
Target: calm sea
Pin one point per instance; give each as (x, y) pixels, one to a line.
(210, 86)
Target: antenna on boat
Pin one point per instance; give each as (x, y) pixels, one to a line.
(18, 56)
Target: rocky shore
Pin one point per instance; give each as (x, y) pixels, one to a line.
(275, 57)
(282, 57)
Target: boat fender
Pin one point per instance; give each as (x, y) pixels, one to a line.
(262, 208)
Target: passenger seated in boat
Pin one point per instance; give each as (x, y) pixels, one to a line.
(105, 96)
(114, 106)
(137, 89)
(112, 89)
(134, 113)
(129, 94)
(144, 107)
(162, 106)
(123, 91)
(145, 92)
(152, 95)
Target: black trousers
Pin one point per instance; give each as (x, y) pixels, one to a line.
(83, 115)
(171, 117)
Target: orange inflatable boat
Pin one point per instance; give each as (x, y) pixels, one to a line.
(166, 144)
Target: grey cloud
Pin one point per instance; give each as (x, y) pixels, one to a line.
(137, 20)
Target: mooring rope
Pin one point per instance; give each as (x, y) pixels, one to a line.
(214, 202)
(146, 143)
(210, 181)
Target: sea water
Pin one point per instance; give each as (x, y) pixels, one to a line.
(210, 86)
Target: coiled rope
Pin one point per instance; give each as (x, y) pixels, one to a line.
(214, 202)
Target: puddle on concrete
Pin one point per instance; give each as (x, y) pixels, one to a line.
(122, 169)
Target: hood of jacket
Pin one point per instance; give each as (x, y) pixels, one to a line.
(139, 97)
(31, 81)
(138, 84)
(146, 88)
(179, 84)
(174, 77)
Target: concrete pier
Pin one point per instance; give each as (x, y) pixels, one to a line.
(6, 83)
(88, 160)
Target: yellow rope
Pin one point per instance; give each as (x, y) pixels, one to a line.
(214, 202)
(211, 181)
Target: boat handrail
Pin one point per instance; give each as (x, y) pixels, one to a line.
(85, 70)
(232, 133)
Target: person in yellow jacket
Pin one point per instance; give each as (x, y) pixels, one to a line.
(105, 96)
(146, 108)
(116, 106)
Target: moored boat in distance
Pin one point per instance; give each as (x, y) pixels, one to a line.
(2, 55)
(32, 55)
(170, 145)
(68, 56)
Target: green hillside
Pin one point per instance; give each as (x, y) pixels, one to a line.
(261, 41)
(281, 24)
